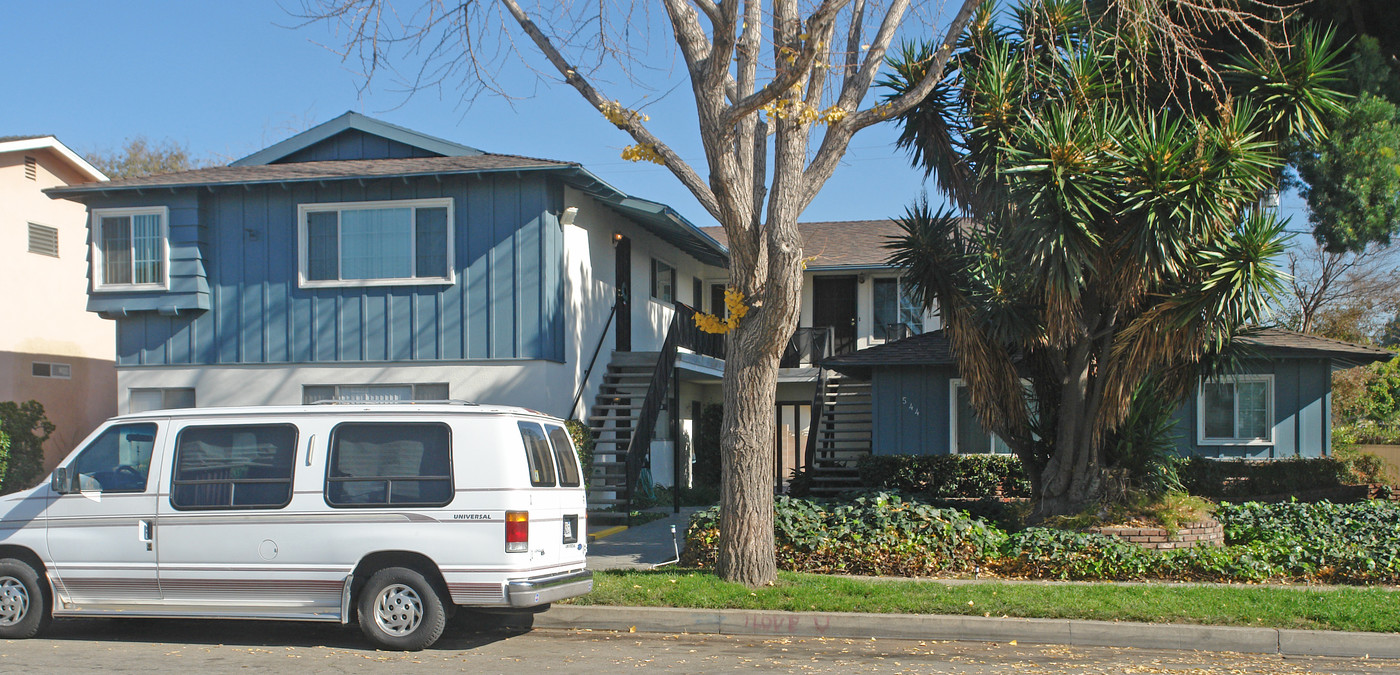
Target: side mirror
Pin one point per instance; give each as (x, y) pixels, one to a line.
(60, 482)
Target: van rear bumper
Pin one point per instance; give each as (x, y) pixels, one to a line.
(544, 590)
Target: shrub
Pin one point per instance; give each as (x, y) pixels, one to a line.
(1242, 479)
(707, 432)
(583, 445)
(27, 428)
(945, 476)
(878, 533)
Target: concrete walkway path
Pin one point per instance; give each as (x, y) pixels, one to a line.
(641, 547)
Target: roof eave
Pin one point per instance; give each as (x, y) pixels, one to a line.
(52, 143)
(80, 190)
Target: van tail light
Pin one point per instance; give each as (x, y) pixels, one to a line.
(517, 531)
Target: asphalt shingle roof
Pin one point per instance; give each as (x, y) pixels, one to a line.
(934, 349)
(843, 243)
(313, 171)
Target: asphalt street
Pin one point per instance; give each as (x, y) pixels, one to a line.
(184, 647)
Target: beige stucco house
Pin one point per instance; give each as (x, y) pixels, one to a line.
(52, 349)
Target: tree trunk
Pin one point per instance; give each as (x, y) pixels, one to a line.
(1070, 482)
(747, 553)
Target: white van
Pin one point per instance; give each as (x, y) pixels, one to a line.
(393, 513)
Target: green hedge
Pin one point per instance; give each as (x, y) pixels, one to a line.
(1242, 479)
(945, 476)
(886, 534)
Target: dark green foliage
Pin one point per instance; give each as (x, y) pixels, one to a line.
(879, 533)
(1243, 479)
(1351, 179)
(583, 445)
(1144, 446)
(884, 534)
(27, 428)
(706, 445)
(945, 476)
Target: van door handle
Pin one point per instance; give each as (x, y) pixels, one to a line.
(143, 532)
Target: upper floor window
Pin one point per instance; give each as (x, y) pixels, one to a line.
(376, 243)
(130, 249)
(663, 281)
(896, 314)
(1236, 410)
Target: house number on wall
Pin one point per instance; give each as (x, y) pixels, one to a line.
(912, 408)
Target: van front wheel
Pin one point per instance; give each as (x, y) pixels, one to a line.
(24, 611)
(400, 610)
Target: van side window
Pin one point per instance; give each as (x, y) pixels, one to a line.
(538, 453)
(118, 461)
(389, 464)
(233, 467)
(564, 456)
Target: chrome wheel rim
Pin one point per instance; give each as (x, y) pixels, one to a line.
(14, 601)
(398, 610)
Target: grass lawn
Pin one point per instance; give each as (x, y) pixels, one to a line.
(1352, 609)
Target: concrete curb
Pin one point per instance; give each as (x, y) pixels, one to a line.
(973, 629)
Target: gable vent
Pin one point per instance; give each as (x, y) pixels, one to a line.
(31, 168)
(43, 240)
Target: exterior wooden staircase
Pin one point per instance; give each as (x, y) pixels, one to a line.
(842, 434)
(614, 419)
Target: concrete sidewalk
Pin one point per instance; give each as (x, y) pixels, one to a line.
(641, 547)
(973, 629)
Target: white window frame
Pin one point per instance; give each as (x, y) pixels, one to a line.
(953, 385)
(899, 285)
(303, 260)
(99, 264)
(54, 368)
(1201, 439)
(675, 281)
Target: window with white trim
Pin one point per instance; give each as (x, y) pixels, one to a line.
(896, 313)
(663, 281)
(966, 435)
(130, 249)
(1236, 410)
(374, 393)
(399, 242)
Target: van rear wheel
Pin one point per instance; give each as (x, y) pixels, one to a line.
(399, 610)
(24, 609)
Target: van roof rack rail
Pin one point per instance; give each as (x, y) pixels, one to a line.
(362, 401)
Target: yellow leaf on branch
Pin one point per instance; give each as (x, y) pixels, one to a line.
(734, 302)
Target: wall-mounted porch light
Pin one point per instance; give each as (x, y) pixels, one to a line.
(569, 215)
(617, 238)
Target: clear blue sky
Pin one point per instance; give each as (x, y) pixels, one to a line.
(229, 78)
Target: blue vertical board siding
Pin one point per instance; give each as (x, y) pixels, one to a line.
(355, 144)
(479, 217)
(240, 246)
(229, 279)
(375, 303)
(505, 232)
(909, 409)
(530, 258)
(1288, 391)
(1315, 383)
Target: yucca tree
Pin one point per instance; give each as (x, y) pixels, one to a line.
(1114, 231)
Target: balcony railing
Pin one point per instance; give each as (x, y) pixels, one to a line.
(807, 347)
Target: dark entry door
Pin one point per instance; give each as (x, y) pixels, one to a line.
(717, 307)
(834, 304)
(623, 276)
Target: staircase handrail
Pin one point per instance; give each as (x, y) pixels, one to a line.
(583, 384)
(809, 451)
(694, 339)
(640, 444)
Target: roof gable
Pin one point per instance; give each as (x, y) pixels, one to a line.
(23, 143)
(353, 133)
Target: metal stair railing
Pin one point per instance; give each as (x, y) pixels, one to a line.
(583, 384)
(657, 393)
